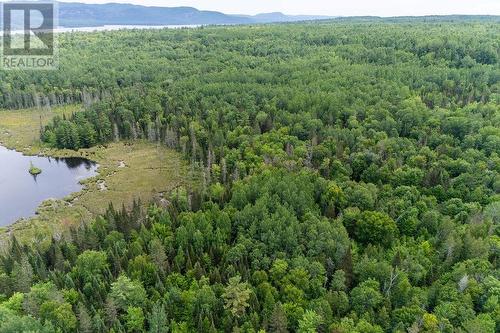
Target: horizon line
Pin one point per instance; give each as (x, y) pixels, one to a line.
(263, 12)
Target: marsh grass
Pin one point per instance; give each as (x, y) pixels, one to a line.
(34, 171)
(149, 169)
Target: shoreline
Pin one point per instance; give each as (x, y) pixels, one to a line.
(130, 170)
(69, 198)
(114, 27)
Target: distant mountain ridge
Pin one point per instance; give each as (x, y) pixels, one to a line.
(280, 17)
(81, 14)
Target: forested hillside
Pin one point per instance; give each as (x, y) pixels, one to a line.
(350, 181)
(82, 14)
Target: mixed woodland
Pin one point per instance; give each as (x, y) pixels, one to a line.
(349, 181)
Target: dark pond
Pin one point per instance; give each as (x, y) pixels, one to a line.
(21, 193)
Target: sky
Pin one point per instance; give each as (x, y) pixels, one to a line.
(330, 7)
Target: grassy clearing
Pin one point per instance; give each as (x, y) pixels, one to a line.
(128, 171)
(20, 129)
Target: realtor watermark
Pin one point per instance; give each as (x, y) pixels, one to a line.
(28, 35)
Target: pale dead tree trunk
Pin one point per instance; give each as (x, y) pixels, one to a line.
(170, 138)
(134, 131)
(450, 247)
(151, 132)
(37, 99)
(204, 177)
(209, 166)
(158, 128)
(86, 98)
(193, 142)
(463, 283)
(116, 133)
(308, 161)
(18, 101)
(392, 280)
(53, 99)
(314, 140)
(190, 201)
(68, 99)
(268, 159)
(41, 126)
(184, 144)
(138, 130)
(224, 170)
(289, 149)
(236, 173)
(46, 103)
(97, 97)
(25, 101)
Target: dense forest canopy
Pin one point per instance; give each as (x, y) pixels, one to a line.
(350, 181)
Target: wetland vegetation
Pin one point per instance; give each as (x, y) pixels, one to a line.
(339, 176)
(24, 186)
(147, 173)
(34, 171)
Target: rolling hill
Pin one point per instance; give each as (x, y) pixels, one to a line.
(80, 14)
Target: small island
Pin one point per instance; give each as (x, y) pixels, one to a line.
(34, 170)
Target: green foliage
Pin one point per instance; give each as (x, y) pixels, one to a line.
(126, 293)
(134, 319)
(236, 297)
(349, 181)
(34, 171)
(12, 323)
(309, 322)
(375, 228)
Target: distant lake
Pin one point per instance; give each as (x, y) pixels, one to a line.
(21, 193)
(120, 27)
(111, 28)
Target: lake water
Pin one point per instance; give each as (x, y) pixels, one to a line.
(112, 28)
(21, 193)
(121, 27)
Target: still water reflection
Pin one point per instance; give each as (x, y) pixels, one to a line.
(21, 193)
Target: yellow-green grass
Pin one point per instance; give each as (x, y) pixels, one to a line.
(20, 129)
(127, 171)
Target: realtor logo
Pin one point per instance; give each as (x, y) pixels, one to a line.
(28, 35)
